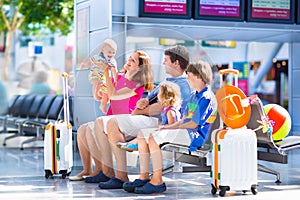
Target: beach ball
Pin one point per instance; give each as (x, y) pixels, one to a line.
(281, 118)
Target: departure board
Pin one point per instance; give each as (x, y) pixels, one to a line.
(165, 8)
(277, 11)
(298, 12)
(219, 9)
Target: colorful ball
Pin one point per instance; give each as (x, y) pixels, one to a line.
(281, 118)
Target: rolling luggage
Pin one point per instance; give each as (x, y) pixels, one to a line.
(234, 164)
(58, 152)
(234, 149)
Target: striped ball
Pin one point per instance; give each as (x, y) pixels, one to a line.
(282, 120)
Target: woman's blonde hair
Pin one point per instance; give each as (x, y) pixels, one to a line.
(145, 73)
(169, 94)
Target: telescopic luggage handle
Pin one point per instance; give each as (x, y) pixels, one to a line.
(66, 97)
(235, 72)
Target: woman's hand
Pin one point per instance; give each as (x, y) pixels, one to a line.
(100, 64)
(97, 93)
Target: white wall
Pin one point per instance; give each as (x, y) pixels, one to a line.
(54, 56)
(227, 55)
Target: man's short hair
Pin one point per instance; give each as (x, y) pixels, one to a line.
(179, 53)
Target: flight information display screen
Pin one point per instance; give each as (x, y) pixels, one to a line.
(219, 9)
(165, 8)
(277, 11)
(298, 12)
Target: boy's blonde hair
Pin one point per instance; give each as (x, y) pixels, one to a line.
(169, 94)
(111, 43)
(202, 70)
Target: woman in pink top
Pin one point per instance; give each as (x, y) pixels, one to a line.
(117, 106)
(123, 96)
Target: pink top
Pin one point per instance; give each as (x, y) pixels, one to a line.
(125, 106)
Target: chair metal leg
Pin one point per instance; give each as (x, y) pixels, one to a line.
(170, 168)
(167, 169)
(28, 141)
(269, 171)
(35, 138)
(199, 161)
(10, 137)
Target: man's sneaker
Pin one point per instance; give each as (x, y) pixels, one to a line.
(97, 179)
(113, 183)
(148, 188)
(130, 186)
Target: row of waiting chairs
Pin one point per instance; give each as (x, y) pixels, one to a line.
(29, 114)
(267, 150)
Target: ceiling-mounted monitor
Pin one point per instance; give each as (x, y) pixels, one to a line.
(298, 12)
(274, 11)
(222, 10)
(181, 9)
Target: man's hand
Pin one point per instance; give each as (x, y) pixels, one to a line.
(150, 110)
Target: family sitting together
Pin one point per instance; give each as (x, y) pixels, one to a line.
(176, 110)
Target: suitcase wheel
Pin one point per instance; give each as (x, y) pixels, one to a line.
(48, 173)
(223, 190)
(64, 173)
(213, 189)
(253, 189)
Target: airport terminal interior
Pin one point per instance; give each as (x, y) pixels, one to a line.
(269, 46)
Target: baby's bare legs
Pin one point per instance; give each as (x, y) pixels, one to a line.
(104, 102)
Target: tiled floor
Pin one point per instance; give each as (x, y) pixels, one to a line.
(22, 177)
